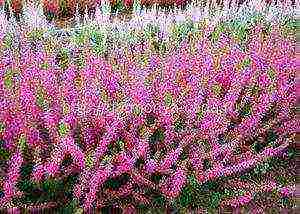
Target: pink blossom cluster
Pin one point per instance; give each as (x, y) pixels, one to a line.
(182, 103)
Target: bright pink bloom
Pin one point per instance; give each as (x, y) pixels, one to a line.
(172, 186)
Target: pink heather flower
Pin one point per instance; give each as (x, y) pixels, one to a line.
(96, 180)
(32, 136)
(264, 80)
(213, 124)
(53, 167)
(102, 148)
(150, 165)
(249, 124)
(83, 182)
(288, 190)
(12, 175)
(142, 148)
(195, 158)
(57, 156)
(140, 179)
(124, 163)
(68, 146)
(172, 186)
(38, 172)
(246, 198)
(241, 200)
(170, 159)
(51, 118)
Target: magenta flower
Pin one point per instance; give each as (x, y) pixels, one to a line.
(172, 186)
(12, 176)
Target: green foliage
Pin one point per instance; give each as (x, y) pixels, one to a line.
(215, 199)
(287, 202)
(2, 128)
(44, 66)
(139, 163)
(184, 155)
(26, 170)
(8, 41)
(157, 136)
(207, 195)
(262, 168)
(4, 154)
(67, 161)
(168, 99)
(217, 32)
(271, 138)
(116, 147)
(63, 58)
(150, 120)
(158, 200)
(97, 39)
(245, 111)
(137, 6)
(179, 124)
(63, 129)
(205, 145)
(156, 177)
(35, 35)
(185, 198)
(242, 34)
(118, 6)
(116, 183)
(284, 180)
(8, 79)
(291, 153)
(288, 26)
(69, 208)
(51, 187)
(40, 99)
(64, 10)
(258, 147)
(26, 185)
(207, 164)
(45, 191)
(79, 37)
(80, 61)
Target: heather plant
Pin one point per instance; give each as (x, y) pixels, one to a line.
(208, 123)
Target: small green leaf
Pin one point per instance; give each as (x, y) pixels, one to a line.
(157, 136)
(8, 40)
(247, 62)
(193, 181)
(40, 99)
(207, 164)
(22, 142)
(246, 110)
(272, 74)
(63, 129)
(168, 99)
(2, 127)
(4, 154)
(185, 197)
(179, 125)
(156, 177)
(215, 199)
(26, 170)
(89, 160)
(8, 79)
(216, 88)
(44, 66)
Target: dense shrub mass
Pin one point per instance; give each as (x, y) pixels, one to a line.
(197, 115)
